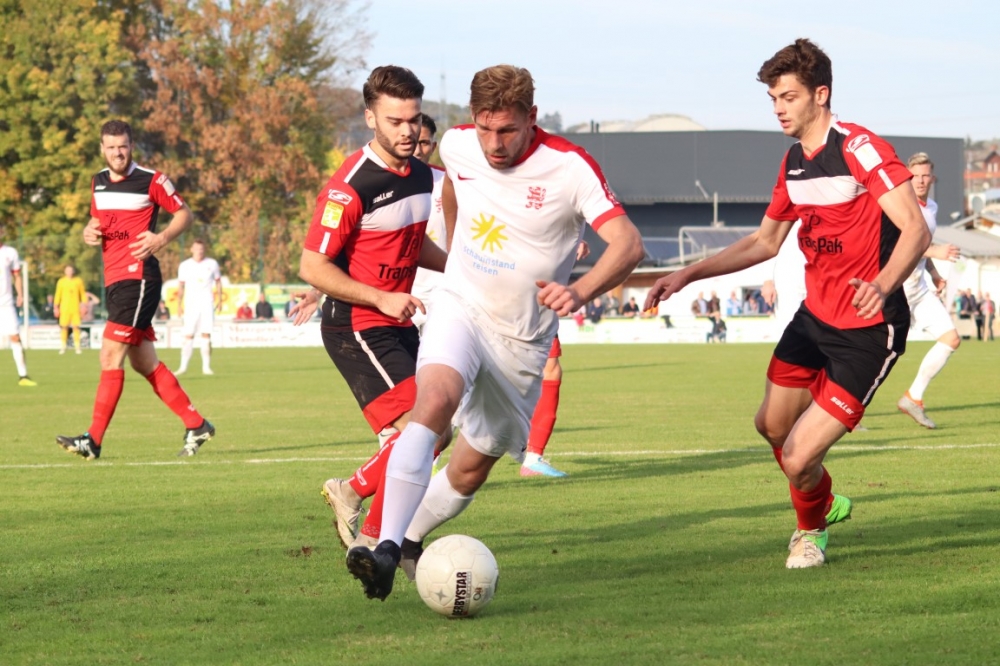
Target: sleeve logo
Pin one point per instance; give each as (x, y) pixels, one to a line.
(168, 187)
(342, 198)
(864, 151)
(331, 215)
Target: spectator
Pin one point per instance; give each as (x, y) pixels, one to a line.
(717, 333)
(162, 313)
(630, 309)
(978, 315)
(244, 311)
(48, 310)
(264, 310)
(964, 303)
(87, 307)
(989, 310)
(595, 312)
(580, 316)
(713, 304)
(734, 306)
(699, 306)
(613, 306)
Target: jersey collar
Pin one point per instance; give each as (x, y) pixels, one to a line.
(373, 156)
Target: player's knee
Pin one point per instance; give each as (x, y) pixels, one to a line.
(768, 428)
(951, 338)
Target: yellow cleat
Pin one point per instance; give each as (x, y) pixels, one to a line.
(26, 381)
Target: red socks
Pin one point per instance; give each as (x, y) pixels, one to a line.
(811, 506)
(544, 418)
(366, 480)
(165, 385)
(109, 390)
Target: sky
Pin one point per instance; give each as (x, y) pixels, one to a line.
(915, 68)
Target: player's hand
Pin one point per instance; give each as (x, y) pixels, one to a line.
(55, 311)
(400, 307)
(946, 252)
(306, 304)
(940, 285)
(768, 292)
(663, 289)
(868, 298)
(557, 297)
(92, 233)
(582, 251)
(146, 245)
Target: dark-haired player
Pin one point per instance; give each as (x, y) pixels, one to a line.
(126, 199)
(862, 234)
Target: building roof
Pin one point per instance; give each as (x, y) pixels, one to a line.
(971, 243)
(663, 122)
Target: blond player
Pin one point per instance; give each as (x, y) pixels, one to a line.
(70, 294)
(516, 201)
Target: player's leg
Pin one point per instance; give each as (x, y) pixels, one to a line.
(930, 315)
(63, 337)
(109, 392)
(74, 323)
(543, 420)
(206, 354)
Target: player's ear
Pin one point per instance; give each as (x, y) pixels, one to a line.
(370, 119)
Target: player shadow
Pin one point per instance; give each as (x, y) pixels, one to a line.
(316, 445)
(936, 408)
(631, 366)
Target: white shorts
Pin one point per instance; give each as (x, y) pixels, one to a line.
(198, 319)
(503, 377)
(9, 322)
(928, 314)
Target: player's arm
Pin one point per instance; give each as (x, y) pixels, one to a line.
(149, 243)
(431, 256)
(319, 270)
(623, 254)
(449, 206)
(900, 204)
(15, 277)
(180, 299)
(218, 294)
(761, 245)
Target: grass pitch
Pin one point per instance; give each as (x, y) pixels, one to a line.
(666, 544)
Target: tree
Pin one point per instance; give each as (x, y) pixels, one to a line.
(64, 67)
(234, 114)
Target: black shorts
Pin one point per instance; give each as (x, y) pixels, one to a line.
(379, 365)
(131, 306)
(841, 367)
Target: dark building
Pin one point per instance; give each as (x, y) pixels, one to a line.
(667, 180)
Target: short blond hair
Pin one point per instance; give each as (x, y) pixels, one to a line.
(501, 87)
(919, 158)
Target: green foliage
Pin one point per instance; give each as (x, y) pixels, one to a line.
(665, 545)
(63, 69)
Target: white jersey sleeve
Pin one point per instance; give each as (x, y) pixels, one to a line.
(426, 280)
(10, 263)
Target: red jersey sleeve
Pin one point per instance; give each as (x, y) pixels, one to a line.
(781, 208)
(338, 211)
(163, 194)
(873, 162)
(93, 201)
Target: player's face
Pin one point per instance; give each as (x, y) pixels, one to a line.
(397, 126)
(197, 251)
(505, 135)
(68, 271)
(117, 152)
(425, 145)
(796, 107)
(923, 178)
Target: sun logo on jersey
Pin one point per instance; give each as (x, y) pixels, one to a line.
(492, 236)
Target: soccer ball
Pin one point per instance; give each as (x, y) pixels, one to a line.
(457, 576)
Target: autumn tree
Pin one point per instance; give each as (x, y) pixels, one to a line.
(64, 71)
(235, 114)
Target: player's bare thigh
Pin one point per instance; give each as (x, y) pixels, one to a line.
(781, 408)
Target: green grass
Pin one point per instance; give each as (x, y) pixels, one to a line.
(665, 545)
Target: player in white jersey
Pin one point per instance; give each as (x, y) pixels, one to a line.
(516, 201)
(10, 283)
(199, 295)
(927, 312)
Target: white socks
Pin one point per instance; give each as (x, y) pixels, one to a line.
(441, 503)
(18, 351)
(406, 479)
(932, 364)
(187, 350)
(206, 354)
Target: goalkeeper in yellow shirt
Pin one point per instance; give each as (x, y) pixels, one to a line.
(70, 293)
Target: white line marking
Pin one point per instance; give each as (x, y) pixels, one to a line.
(760, 450)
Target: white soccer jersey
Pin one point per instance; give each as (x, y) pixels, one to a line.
(520, 225)
(916, 287)
(427, 280)
(199, 278)
(9, 264)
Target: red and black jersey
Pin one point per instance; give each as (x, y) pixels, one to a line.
(371, 220)
(125, 209)
(844, 233)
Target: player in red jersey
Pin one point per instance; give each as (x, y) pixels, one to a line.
(362, 251)
(862, 233)
(126, 199)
